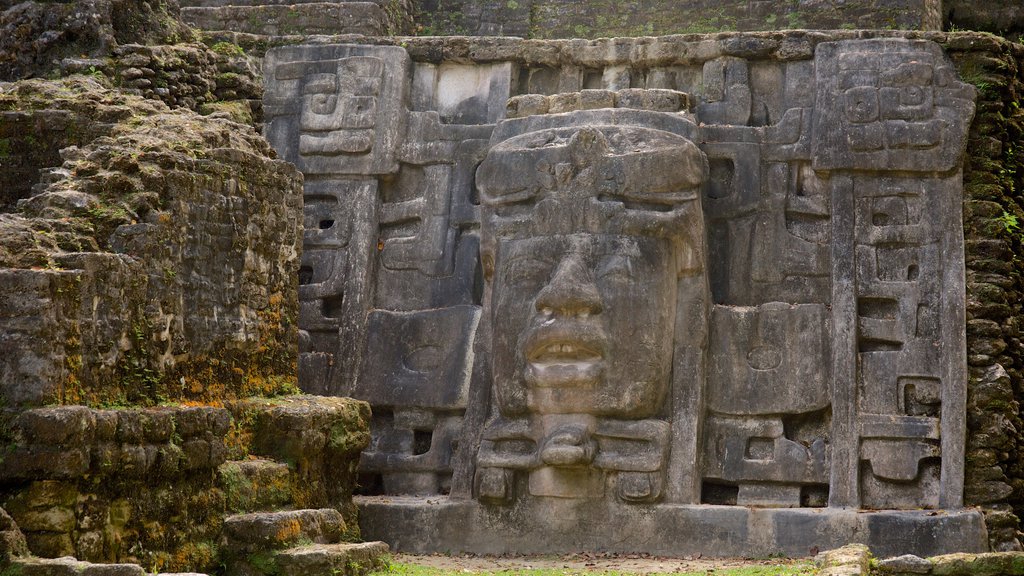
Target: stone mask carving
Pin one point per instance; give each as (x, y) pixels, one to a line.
(582, 248)
(580, 245)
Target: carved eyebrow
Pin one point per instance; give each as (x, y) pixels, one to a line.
(525, 259)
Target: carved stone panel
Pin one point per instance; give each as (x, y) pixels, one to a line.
(889, 104)
(338, 109)
(709, 280)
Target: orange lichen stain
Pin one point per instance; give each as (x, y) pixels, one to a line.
(288, 532)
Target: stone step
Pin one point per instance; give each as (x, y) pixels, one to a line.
(245, 534)
(255, 485)
(335, 559)
(68, 566)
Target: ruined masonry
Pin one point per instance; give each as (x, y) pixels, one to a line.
(700, 303)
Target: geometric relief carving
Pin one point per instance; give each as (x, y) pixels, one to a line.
(889, 104)
(338, 109)
(410, 451)
(886, 106)
(727, 98)
(328, 284)
(755, 455)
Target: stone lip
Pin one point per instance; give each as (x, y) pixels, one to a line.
(424, 525)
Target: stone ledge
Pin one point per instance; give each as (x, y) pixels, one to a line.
(424, 525)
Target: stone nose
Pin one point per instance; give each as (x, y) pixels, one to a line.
(570, 292)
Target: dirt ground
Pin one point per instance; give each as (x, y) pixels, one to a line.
(597, 563)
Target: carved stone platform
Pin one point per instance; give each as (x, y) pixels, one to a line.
(425, 525)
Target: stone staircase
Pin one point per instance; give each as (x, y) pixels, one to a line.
(266, 534)
(276, 541)
(281, 500)
(295, 543)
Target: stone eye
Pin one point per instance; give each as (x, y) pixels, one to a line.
(616, 268)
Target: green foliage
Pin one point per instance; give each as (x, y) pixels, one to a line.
(264, 563)
(228, 49)
(1011, 224)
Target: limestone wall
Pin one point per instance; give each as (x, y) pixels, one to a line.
(602, 18)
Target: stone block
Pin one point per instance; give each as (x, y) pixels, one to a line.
(337, 109)
(70, 426)
(906, 564)
(68, 566)
(34, 461)
(50, 544)
(527, 105)
(12, 541)
(52, 519)
(251, 485)
(264, 531)
(195, 454)
(346, 559)
(418, 359)
(883, 104)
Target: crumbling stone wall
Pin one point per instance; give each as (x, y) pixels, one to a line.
(36, 36)
(149, 255)
(992, 222)
(157, 261)
(189, 76)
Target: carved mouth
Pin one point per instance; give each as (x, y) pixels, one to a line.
(562, 352)
(564, 358)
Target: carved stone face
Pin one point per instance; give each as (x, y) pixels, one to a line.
(583, 324)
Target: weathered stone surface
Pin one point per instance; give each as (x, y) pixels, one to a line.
(251, 541)
(12, 541)
(346, 559)
(37, 36)
(98, 242)
(850, 560)
(1008, 563)
(320, 438)
(906, 564)
(281, 19)
(720, 531)
(68, 566)
(251, 485)
(259, 531)
(1003, 17)
(191, 76)
(68, 486)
